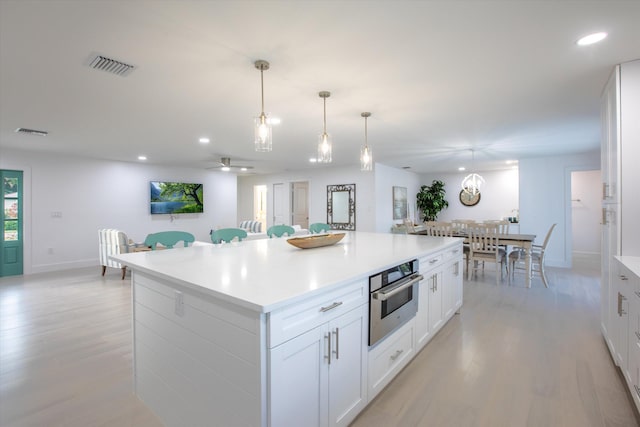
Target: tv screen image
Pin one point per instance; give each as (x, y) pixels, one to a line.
(176, 197)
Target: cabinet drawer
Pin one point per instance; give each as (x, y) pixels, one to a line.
(388, 358)
(432, 261)
(453, 253)
(294, 320)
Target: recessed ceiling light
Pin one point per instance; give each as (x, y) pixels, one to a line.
(142, 157)
(313, 160)
(462, 168)
(225, 169)
(204, 140)
(511, 162)
(591, 39)
(243, 169)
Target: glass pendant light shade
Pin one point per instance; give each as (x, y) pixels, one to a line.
(262, 127)
(366, 156)
(262, 130)
(324, 148)
(324, 142)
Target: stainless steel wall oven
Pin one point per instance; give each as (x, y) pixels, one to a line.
(393, 299)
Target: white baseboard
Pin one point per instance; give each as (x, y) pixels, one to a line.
(46, 268)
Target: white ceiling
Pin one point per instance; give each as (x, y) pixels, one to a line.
(504, 78)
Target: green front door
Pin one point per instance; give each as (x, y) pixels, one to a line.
(11, 238)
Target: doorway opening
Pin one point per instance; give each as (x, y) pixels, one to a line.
(260, 205)
(585, 217)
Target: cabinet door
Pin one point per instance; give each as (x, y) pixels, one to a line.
(434, 282)
(422, 330)
(622, 318)
(610, 137)
(451, 289)
(298, 385)
(609, 276)
(347, 367)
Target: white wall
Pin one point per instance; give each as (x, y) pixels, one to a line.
(93, 194)
(499, 195)
(545, 199)
(373, 193)
(385, 179)
(318, 180)
(586, 211)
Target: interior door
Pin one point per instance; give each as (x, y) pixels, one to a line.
(300, 204)
(279, 205)
(11, 239)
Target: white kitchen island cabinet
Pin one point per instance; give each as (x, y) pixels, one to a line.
(260, 333)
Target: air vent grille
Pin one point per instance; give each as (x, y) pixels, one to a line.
(112, 66)
(32, 131)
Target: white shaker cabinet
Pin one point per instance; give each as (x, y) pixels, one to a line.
(620, 151)
(319, 377)
(452, 290)
(440, 294)
(625, 324)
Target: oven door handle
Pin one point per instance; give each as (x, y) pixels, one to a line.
(386, 294)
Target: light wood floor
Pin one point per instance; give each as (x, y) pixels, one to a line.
(513, 357)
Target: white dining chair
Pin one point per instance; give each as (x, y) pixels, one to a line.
(484, 247)
(517, 259)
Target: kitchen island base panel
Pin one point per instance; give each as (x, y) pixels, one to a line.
(191, 366)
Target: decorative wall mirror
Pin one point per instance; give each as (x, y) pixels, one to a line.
(341, 206)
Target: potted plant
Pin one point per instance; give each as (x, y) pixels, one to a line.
(431, 201)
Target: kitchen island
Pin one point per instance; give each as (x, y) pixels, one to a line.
(247, 333)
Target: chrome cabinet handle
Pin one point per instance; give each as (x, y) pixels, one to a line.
(337, 350)
(328, 356)
(397, 354)
(619, 304)
(638, 334)
(384, 295)
(604, 216)
(637, 293)
(433, 261)
(331, 307)
(623, 277)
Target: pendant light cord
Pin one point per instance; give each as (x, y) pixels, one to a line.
(325, 115)
(262, 89)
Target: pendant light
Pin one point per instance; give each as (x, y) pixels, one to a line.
(366, 157)
(471, 183)
(324, 142)
(262, 126)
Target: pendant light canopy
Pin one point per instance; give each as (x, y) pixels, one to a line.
(324, 142)
(262, 126)
(366, 157)
(471, 183)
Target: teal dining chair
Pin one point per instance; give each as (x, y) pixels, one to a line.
(168, 239)
(280, 230)
(319, 227)
(227, 235)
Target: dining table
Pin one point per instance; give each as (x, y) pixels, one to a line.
(524, 241)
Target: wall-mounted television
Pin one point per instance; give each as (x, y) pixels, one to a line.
(176, 197)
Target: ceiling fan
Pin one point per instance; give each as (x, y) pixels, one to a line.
(225, 165)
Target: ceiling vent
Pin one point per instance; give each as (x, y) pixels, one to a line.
(100, 62)
(32, 132)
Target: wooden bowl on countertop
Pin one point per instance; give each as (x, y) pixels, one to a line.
(316, 240)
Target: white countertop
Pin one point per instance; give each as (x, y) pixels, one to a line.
(631, 262)
(266, 274)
